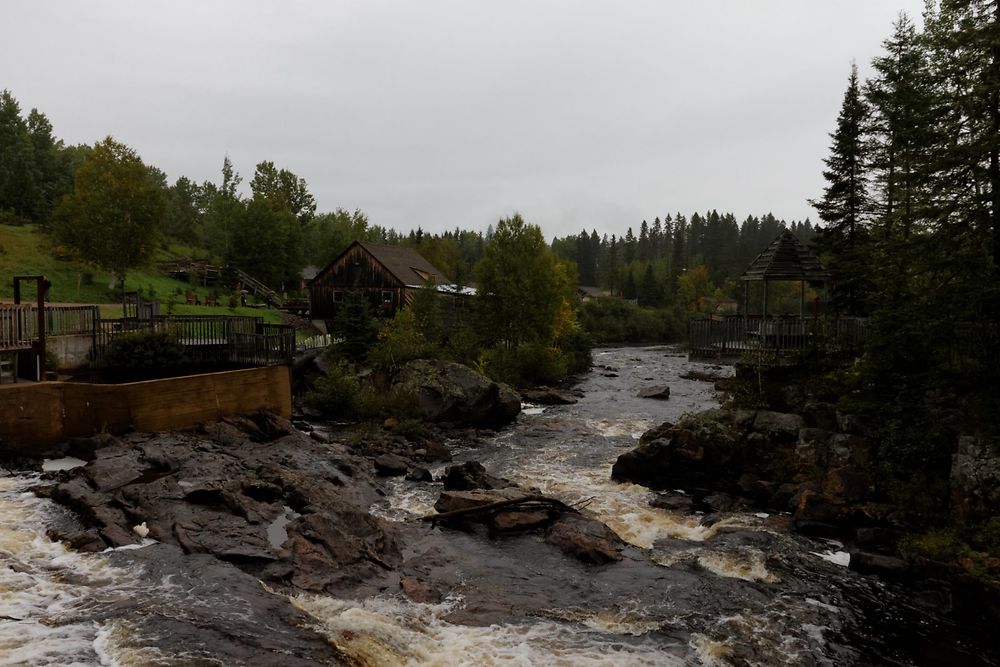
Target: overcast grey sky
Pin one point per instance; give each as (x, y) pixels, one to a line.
(458, 112)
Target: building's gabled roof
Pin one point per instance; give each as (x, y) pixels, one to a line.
(787, 258)
(405, 264)
(408, 265)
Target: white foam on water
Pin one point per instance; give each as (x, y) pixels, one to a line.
(841, 558)
(391, 632)
(533, 410)
(42, 584)
(626, 619)
(710, 653)
(65, 463)
(624, 507)
(745, 564)
(112, 647)
(48, 590)
(619, 428)
(405, 500)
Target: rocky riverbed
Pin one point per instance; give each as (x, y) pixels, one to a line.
(254, 541)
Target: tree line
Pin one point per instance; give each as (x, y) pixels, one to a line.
(677, 260)
(911, 213)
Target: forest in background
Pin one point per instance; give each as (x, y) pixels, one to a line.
(276, 231)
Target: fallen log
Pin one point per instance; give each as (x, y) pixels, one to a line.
(525, 503)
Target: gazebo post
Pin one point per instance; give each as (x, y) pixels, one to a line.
(763, 318)
(802, 299)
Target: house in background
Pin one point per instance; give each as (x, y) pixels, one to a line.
(388, 275)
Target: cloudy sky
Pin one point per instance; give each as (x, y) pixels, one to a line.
(445, 113)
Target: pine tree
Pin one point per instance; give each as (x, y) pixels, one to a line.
(845, 198)
(899, 102)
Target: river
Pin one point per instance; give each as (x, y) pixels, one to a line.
(694, 589)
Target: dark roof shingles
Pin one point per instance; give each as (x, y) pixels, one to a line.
(787, 258)
(404, 263)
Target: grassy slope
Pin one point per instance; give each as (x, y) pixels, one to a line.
(29, 251)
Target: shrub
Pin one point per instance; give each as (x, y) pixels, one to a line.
(610, 320)
(526, 365)
(575, 345)
(400, 341)
(141, 356)
(337, 394)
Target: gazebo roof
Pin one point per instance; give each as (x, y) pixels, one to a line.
(787, 258)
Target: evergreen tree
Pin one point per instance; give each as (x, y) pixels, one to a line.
(900, 105)
(845, 199)
(629, 250)
(642, 252)
(649, 289)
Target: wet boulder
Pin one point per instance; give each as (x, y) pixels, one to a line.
(419, 591)
(220, 492)
(547, 396)
(513, 521)
(778, 425)
(471, 475)
(817, 514)
(418, 474)
(675, 502)
(585, 539)
(975, 478)
(444, 391)
(872, 563)
(660, 392)
(391, 465)
(452, 501)
(701, 451)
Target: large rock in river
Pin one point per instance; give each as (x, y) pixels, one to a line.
(444, 391)
(253, 492)
(699, 451)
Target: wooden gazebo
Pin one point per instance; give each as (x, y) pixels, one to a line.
(768, 338)
(786, 259)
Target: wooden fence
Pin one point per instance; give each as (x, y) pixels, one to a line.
(211, 340)
(19, 323)
(16, 323)
(772, 337)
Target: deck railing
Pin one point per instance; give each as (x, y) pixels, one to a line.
(211, 340)
(15, 326)
(19, 323)
(774, 337)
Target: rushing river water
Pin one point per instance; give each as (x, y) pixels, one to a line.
(733, 589)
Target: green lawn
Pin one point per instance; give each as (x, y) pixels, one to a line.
(29, 251)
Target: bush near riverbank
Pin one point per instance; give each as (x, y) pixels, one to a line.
(611, 320)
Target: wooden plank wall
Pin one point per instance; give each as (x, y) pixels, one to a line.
(47, 413)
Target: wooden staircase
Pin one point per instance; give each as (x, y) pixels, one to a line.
(258, 288)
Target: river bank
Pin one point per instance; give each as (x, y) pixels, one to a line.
(350, 575)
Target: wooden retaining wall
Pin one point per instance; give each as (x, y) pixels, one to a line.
(46, 413)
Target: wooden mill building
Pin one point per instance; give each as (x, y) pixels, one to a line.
(388, 275)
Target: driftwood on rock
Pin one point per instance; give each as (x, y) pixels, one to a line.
(526, 503)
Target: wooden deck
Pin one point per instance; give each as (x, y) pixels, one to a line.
(772, 340)
(215, 340)
(212, 340)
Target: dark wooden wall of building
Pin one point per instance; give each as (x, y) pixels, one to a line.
(355, 270)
